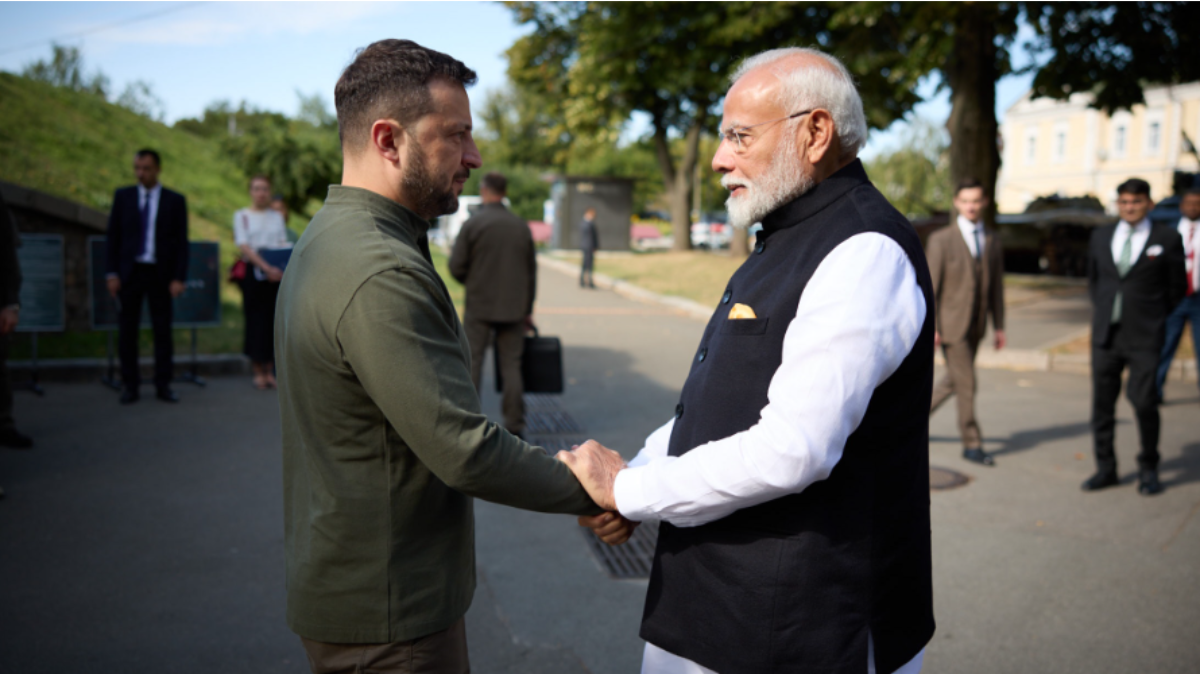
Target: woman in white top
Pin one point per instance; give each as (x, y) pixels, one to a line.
(254, 229)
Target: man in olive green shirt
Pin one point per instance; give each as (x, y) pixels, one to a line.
(384, 444)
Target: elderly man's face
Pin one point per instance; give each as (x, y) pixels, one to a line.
(766, 171)
(441, 152)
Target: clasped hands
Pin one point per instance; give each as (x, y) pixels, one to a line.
(596, 467)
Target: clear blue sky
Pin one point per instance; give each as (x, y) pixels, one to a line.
(196, 53)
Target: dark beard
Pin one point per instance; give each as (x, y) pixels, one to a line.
(429, 201)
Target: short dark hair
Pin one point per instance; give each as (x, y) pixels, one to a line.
(969, 183)
(390, 78)
(147, 152)
(259, 176)
(1192, 192)
(495, 182)
(1134, 186)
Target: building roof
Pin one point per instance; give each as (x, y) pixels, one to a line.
(35, 200)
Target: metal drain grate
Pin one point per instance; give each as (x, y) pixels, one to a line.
(544, 416)
(630, 560)
(945, 479)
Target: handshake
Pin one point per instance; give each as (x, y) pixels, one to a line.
(597, 467)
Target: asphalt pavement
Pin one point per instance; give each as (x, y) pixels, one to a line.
(149, 538)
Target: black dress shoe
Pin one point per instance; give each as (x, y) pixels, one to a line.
(978, 456)
(1148, 483)
(1101, 480)
(129, 396)
(11, 438)
(167, 395)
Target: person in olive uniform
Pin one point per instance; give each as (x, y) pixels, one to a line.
(384, 444)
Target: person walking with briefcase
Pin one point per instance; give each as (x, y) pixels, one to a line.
(494, 258)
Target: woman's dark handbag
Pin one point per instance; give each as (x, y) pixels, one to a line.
(238, 272)
(541, 365)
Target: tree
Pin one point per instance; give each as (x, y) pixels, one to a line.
(65, 69)
(301, 160)
(139, 98)
(915, 176)
(1111, 50)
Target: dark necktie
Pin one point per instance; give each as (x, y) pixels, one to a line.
(144, 212)
(978, 242)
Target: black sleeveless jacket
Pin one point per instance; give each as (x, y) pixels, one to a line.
(794, 585)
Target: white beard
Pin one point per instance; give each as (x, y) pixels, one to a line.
(783, 181)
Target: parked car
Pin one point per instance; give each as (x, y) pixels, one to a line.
(712, 232)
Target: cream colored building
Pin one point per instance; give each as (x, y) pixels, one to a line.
(1067, 148)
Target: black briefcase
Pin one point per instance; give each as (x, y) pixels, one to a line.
(541, 365)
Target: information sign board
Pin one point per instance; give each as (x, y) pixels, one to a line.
(43, 308)
(198, 307)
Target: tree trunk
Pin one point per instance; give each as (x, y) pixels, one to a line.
(971, 74)
(739, 242)
(678, 179)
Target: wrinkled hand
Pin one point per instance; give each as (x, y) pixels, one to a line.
(176, 289)
(610, 528)
(9, 318)
(596, 467)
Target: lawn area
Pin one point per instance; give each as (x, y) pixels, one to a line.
(696, 275)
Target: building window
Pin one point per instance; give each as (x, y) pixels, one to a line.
(1031, 149)
(1153, 137)
(1119, 141)
(1060, 146)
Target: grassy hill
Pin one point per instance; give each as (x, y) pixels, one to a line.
(80, 147)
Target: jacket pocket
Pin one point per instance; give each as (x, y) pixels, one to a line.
(744, 326)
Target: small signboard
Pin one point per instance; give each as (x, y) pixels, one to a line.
(198, 307)
(43, 308)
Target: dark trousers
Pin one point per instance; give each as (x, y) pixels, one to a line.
(258, 309)
(144, 284)
(1188, 310)
(510, 346)
(442, 652)
(6, 398)
(1108, 362)
(585, 268)
(960, 382)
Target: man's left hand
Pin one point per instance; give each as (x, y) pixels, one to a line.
(176, 288)
(9, 318)
(596, 467)
(1000, 340)
(610, 528)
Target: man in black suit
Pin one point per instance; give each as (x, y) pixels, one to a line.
(1135, 278)
(10, 316)
(494, 258)
(147, 259)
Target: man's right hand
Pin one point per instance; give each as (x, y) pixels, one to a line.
(937, 339)
(9, 318)
(610, 528)
(114, 286)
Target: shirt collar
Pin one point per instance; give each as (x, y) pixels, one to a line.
(142, 189)
(386, 210)
(968, 225)
(817, 199)
(1143, 224)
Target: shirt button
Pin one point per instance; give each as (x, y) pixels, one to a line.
(679, 411)
(703, 353)
(758, 248)
(727, 297)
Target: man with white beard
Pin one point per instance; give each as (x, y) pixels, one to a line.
(792, 484)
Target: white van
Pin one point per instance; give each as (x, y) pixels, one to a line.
(449, 225)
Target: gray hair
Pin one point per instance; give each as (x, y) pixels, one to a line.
(804, 88)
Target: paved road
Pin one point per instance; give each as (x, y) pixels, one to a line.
(149, 538)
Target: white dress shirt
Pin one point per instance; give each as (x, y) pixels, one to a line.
(1141, 232)
(858, 319)
(1190, 231)
(153, 195)
(968, 229)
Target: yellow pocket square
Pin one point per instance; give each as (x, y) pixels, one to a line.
(740, 311)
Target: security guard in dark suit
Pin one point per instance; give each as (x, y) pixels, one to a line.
(494, 257)
(10, 315)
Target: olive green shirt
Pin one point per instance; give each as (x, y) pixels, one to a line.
(384, 444)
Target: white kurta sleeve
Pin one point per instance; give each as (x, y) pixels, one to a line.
(858, 319)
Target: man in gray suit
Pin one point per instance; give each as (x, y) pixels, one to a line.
(494, 257)
(966, 262)
(10, 315)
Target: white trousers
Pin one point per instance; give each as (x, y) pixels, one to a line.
(655, 659)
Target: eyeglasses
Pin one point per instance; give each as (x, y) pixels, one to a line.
(734, 134)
